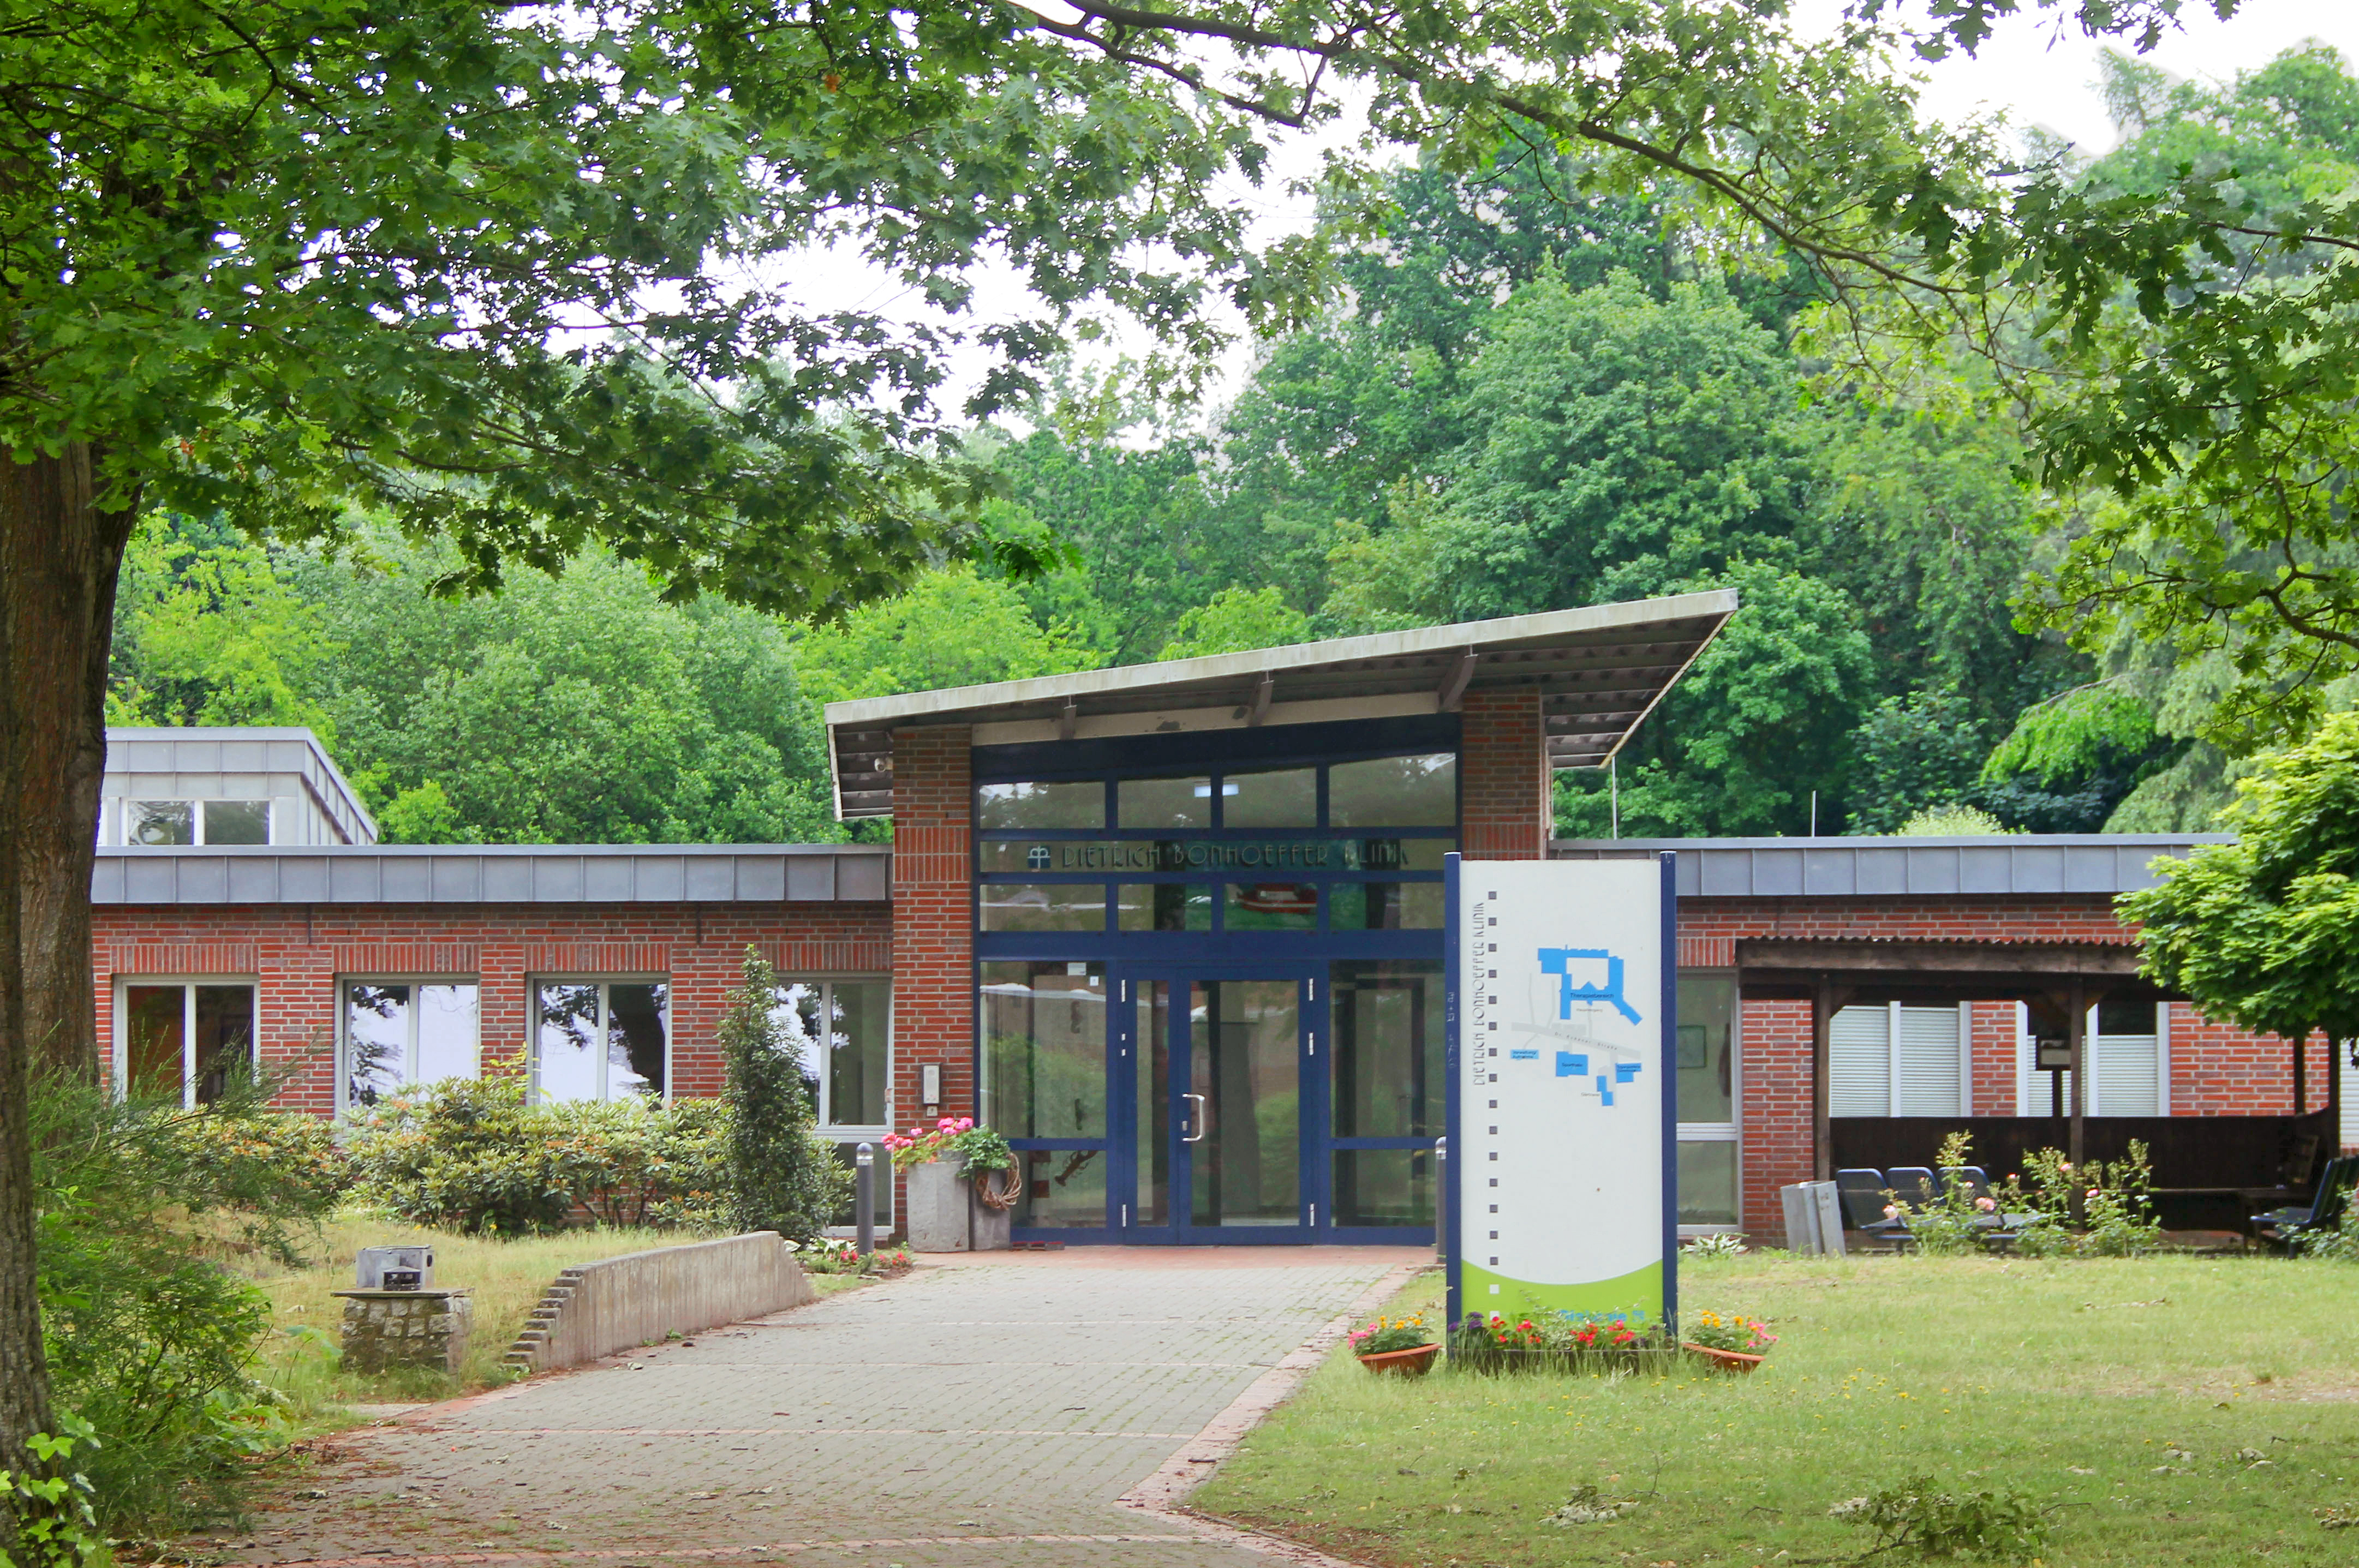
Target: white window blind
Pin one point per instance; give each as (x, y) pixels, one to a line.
(1859, 1061)
(2122, 1076)
(2129, 1067)
(1925, 1066)
(1898, 1061)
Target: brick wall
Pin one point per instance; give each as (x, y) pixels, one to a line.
(934, 916)
(1506, 807)
(296, 954)
(1997, 1051)
(2216, 1070)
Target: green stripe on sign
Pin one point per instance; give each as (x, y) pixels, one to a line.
(1640, 1291)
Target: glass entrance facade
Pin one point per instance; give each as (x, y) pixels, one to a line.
(1210, 994)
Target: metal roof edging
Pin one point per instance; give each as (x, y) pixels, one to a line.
(1664, 690)
(881, 712)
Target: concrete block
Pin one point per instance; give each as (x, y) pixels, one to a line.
(596, 1309)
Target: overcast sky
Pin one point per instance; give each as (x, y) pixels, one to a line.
(2025, 71)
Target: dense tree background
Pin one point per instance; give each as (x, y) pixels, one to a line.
(1530, 398)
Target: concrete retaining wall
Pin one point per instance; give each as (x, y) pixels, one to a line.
(596, 1309)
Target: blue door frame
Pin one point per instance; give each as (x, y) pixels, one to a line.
(1128, 1056)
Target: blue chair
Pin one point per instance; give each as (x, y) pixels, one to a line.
(1914, 1184)
(2281, 1227)
(1862, 1191)
(1973, 1179)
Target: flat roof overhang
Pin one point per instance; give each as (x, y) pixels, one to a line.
(1940, 972)
(1600, 670)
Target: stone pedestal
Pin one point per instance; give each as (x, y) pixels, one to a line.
(939, 1196)
(405, 1328)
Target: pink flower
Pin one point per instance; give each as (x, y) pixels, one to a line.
(1890, 1212)
(2092, 1192)
(1986, 1204)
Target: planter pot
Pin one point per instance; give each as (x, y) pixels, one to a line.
(937, 1196)
(1414, 1362)
(991, 1225)
(1724, 1360)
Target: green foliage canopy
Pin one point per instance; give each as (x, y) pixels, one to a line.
(2265, 932)
(569, 709)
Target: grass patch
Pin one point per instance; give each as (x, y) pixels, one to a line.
(507, 1277)
(2181, 1410)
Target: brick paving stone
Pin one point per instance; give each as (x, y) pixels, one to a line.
(950, 1419)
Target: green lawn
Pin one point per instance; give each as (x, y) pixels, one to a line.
(2075, 1383)
(507, 1277)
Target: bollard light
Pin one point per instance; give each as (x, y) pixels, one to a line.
(864, 1203)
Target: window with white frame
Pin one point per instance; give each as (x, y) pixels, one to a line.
(181, 1039)
(167, 822)
(841, 1028)
(2127, 1044)
(1898, 1060)
(601, 1039)
(394, 1033)
(1706, 1063)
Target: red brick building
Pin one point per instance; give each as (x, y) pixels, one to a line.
(1175, 929)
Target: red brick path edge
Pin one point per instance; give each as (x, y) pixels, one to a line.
(1164, 1493)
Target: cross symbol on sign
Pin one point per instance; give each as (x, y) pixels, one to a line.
(1039, 857)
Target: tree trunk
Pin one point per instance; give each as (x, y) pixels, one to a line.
(60, 551)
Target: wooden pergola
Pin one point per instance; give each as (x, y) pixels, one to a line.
(2066, 977)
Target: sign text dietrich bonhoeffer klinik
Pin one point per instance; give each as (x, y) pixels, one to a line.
(1197, 854)
(1561, 1110)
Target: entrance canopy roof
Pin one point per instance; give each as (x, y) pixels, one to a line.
(1873, 971)
(1600, 669)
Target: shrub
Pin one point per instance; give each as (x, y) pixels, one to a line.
(2117, 1215)
(1714, 1248)
(641, 1162)
(1952, 1224)
(2341, 1244)
(1915, 1515)
(50, 1520)
(776, 1173)
(466, 1154)
(472, 1155)
(148, 1340)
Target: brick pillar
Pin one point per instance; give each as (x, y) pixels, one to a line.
(933, 918)
(1776, 1125)
(1506, 802)
(1995, 1051)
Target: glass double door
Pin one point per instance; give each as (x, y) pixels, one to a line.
(1195, 1103)
(1223, 1073)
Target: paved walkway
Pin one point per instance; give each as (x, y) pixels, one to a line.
(990, 1411)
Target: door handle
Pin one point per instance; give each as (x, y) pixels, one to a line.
(1195, 1120)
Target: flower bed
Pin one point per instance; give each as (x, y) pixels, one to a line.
(837, 1256)
(1559, 1341)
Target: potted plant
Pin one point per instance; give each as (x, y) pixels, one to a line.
(962, 1180)
(1399, 1344)
(1732, 1343)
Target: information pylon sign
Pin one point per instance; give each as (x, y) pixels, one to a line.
(1563, 1027)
